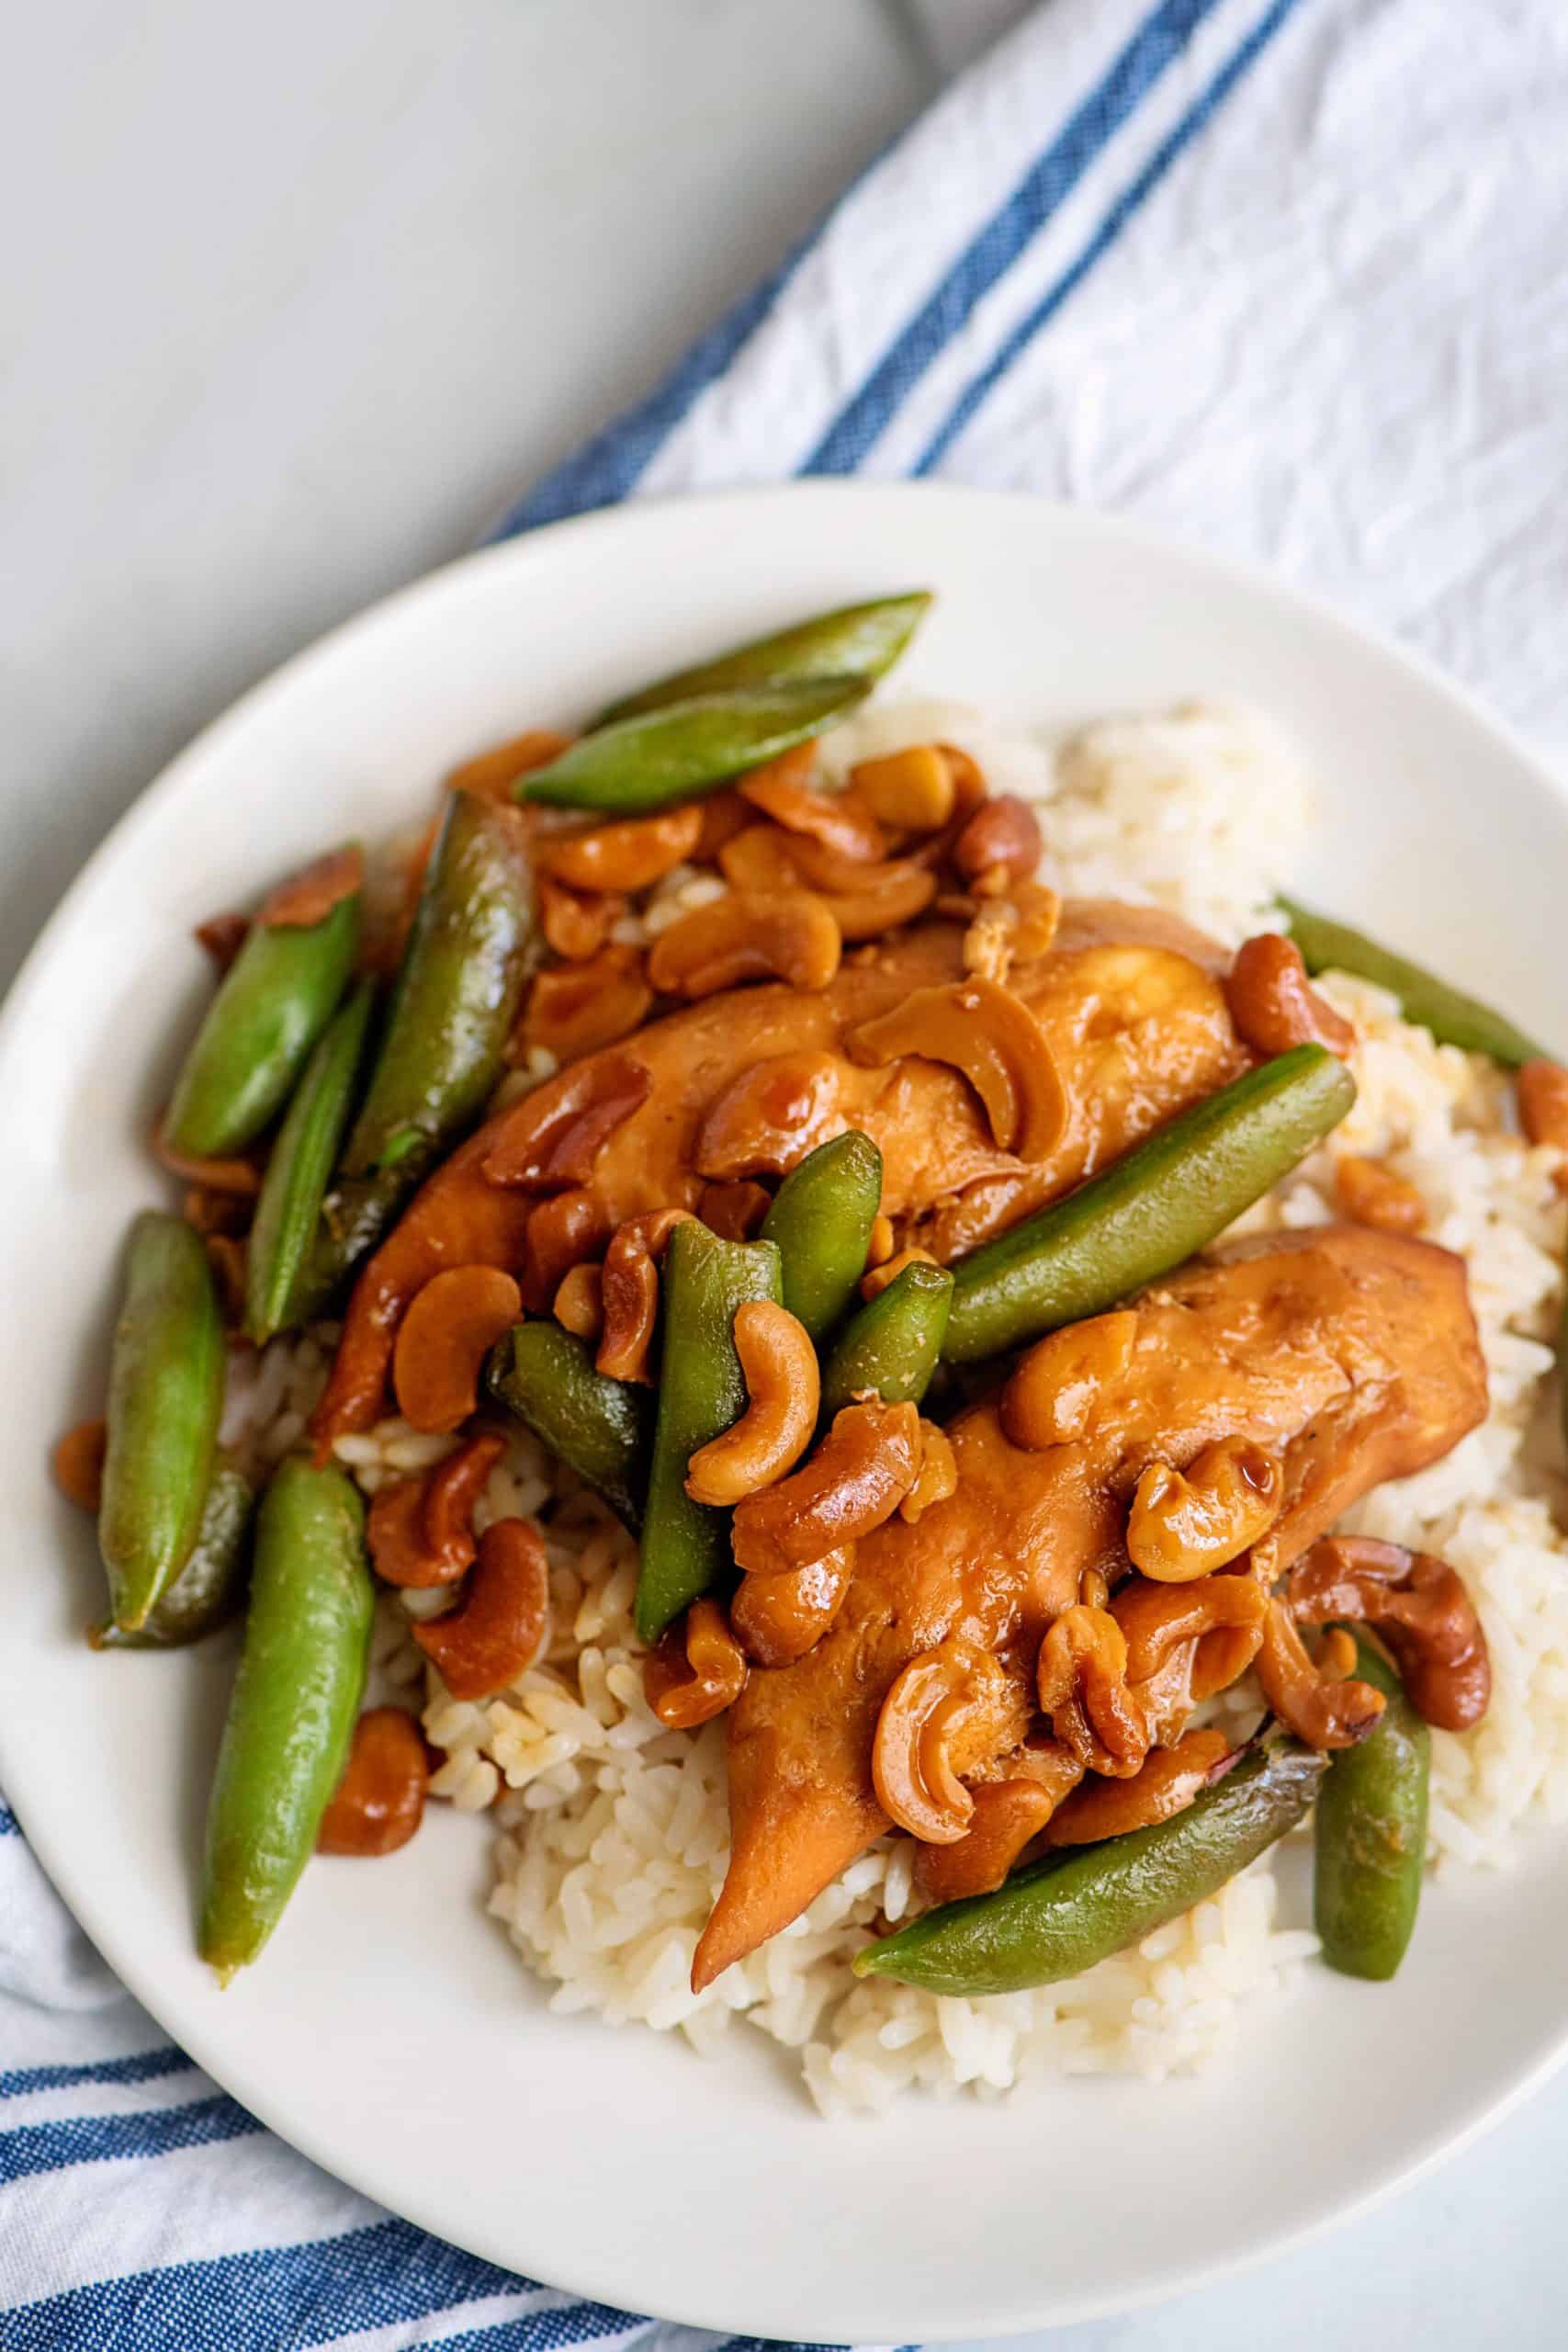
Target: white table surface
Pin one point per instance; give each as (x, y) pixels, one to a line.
(296, 298)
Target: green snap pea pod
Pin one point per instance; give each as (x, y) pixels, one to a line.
(1370, 1833)
(299, 1167)
(821, 1219)
(893, 1344)
(292, 1710)
(271, 1006)
(855, 641)
(1150, 1210)
(1453, 1018)
(209, 1589)
(166, 1372)
(440, 1053)
(598, 1426)
(1056, 1917)
(689, 748)
(701, 1391)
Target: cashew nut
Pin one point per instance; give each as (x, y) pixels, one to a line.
(840, 822)
(889, 1269)
(629, 1295)
(498, 1628)
(550, 1139)
(912, 791)
(1272, 1003)
(1055, 1394)
(630, 855)
(574, 925)
(419, 1531)
(864, 899)
(937, 1697)
(451, 1325)
(1315, 1701)
(995, 1041)
(1165, 1783)
(734, 1211)
(937, 1477)
(778, 1619)
(696, 1671)
(784, 1390)
(578, 1009)
(1185, 1523)
(579, 1305)
(855, 1479)
(1082, 1682)
(1420, 1607)
(561, 1232)
(1001, 843)
(1371, 1193)
(766, 1120)
(379, 1802)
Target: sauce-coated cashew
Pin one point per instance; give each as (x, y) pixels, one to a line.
(450, 1327)
(995, 1041)
(1371, 1193)
(1418, 1604)
(498, 1628)
(1315, 1701)
(790, 937)
(778, 1619)
(379, 1802)
(1082, 1683)
(1185, 1524)
(577, 1009)
(698, 1670)
(1165, 1783)
(935, 1699)
(855, 1479)
(784, 1390)
(629, 1295)
(1273, 1005)
(911, 791)
(419, 1531)
(1055, 1394)
(630, 855)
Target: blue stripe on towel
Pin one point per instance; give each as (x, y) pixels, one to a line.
(140, 2066)
(1127, 204)
(103, 2139)
(1158, 40)
(375, 2277)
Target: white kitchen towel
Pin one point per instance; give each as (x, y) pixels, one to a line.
(1284, 274)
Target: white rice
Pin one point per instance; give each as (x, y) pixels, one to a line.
(611, 1833)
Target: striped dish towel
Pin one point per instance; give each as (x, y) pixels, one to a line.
(1284, 274)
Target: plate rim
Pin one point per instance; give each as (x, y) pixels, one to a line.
(532, 550)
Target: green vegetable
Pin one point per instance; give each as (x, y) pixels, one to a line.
(1057, 1917)
(271, 1006)
(1454, 1019)
(1371, 1833)
(293, 1708)
(855, 641)
(689, 747)
(893, 1344)
(1150, 1210)
(701, 1391)
(299, 1166)
(596, 1426)
(209, 1589)
(453, 1006)
(166, 1374)
(821, 1219)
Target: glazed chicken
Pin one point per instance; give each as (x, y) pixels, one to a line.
(1346, 1355)
(747, 1082)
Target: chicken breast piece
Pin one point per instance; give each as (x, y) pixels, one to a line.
(1350, 1354)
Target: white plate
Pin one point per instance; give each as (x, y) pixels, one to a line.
(389, 2032)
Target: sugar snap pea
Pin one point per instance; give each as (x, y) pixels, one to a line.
(821, 1219)
(1056, 1917)
(893, 1344)
(1453, 1018)
(686, 748)
(210, 1587)
(701, 1391)
(292, 1710)
(598, 1426)
(856, 641)
(1150, 1210)
(271, 1006)
(166, 1372)
(1371, 1832)
(299, 1167)
(440, 1052)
